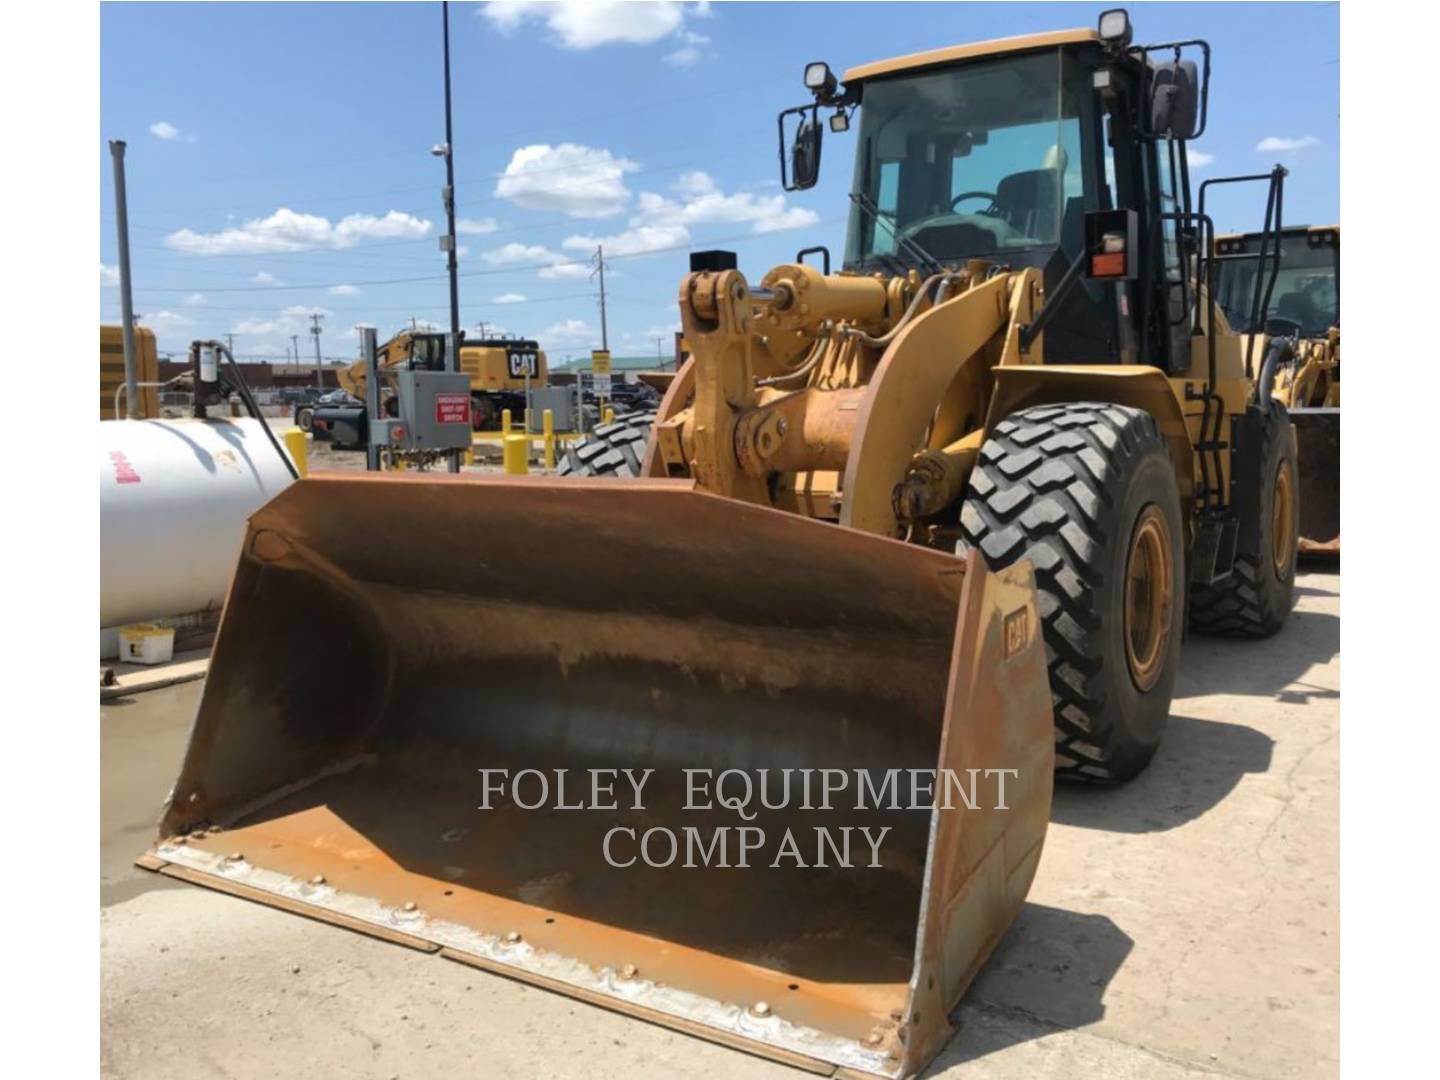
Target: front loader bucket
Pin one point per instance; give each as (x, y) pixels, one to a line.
(1317, 434)
(387, 638)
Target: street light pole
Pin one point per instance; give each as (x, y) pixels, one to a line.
(127, 313)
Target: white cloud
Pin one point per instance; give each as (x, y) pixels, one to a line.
(566, 271)
(475, 226)
(515, 254)
(287, 230)
(261, 277)
(163, 129)
(581, 181)
(109, 275)
(195, 299)
(344, 290)
(510, 298)
(569, 333)
(548, 264)
(664, 223)
(162, 320)
(685, 56)
(584, 24)
(1199, 159)
(637, 240)
(294, 319)
(1285, 144)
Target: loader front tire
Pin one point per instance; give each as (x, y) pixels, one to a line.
(616, 449)
(1255, 600)
(1087, 493)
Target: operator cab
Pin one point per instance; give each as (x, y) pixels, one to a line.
(999, 151)
(1306, 296)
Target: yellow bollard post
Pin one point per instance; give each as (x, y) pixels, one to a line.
(504, 423)
(517, 454)
(547, 418)
(608, 416)
(295, 444)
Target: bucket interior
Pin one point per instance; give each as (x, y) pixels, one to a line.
(371, 663)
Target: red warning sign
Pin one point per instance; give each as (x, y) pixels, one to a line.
(452, 408)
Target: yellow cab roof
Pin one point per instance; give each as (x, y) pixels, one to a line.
(969, 52)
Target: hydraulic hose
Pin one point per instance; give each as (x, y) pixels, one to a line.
(1279, 351)
(244, 388)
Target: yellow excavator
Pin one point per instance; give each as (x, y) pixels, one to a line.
(501, 370)
(1305, 305)
(935, 517)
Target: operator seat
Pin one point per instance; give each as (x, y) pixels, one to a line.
(1029, 201)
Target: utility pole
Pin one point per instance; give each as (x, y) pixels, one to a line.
(230, 343)
(449, 198)
(315, 330)
(482, 324)
(658, 358)
(127, 314)
(295, 340)
(452, 353)
(600, 270)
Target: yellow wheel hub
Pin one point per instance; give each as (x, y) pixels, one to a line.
(1282, 519)
(1149, 597)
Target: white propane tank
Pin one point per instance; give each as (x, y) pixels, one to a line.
(174, 498)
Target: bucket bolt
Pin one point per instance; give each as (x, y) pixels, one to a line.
(512, 938)
(760, 1008)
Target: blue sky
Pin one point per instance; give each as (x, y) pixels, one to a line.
(279, 160)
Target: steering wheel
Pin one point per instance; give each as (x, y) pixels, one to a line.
(972, 195)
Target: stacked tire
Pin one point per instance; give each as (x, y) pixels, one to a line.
(616, 449)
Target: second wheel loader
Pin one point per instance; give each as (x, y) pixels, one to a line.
(1305, 307)
(941, 512)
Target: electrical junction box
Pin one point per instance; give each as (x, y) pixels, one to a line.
(434, 408)
(560, 400)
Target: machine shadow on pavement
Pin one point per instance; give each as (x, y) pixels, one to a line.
(1050, 972)
(1197, 766)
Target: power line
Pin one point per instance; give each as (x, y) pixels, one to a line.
(550, 265)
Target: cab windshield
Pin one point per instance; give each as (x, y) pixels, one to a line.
(1307, 287)
(976, 160)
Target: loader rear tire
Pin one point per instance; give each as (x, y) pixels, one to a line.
(616, 449)
(1255, 600)
(1087, 493)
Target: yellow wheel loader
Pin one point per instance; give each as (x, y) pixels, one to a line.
(927, 521)
(1305, 306)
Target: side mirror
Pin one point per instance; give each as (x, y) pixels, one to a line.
(805, 154)
(800, 161)
(1175, 93)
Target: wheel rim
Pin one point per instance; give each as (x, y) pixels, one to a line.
(1149, 597)
(1282, 518)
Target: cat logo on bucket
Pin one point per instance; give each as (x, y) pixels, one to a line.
(1017, 631)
